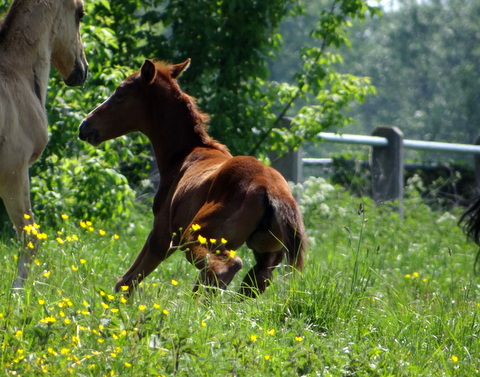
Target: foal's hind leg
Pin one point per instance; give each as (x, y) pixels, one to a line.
(217, 263)
(260, 276)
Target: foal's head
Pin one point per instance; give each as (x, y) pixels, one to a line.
(68, 56)
(130, 108)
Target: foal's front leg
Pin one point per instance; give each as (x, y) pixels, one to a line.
(16, 197)
(153, 252)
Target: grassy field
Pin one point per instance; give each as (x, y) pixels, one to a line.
(379, 296)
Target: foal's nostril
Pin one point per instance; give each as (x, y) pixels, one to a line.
(88, 133)
(78, 75)
(81, 130)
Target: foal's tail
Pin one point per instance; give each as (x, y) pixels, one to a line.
(295, 238)
(470, 221)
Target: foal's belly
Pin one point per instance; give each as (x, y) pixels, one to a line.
(191, 193)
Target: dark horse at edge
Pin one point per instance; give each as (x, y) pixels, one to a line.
(470, 222)
(217, 201)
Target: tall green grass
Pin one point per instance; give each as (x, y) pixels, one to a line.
(379, 296)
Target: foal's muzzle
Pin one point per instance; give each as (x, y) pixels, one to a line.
(87, 133)
(78, 75)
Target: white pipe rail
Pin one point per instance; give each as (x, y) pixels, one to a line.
(443, 147)
(376, 141)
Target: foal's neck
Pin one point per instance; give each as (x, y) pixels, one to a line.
(181, 142)
(25, 42)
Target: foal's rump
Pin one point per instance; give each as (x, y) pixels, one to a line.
(264, 199)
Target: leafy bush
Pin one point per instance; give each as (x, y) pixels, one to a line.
(87, 189)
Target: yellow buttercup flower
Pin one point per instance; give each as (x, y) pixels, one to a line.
(196, 227)
(202, 240)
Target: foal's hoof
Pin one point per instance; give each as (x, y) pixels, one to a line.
(123, 287)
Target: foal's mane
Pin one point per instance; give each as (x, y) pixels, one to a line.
(19, 7)
(199, 118)
(9, 17)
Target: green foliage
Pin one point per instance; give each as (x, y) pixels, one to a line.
(86, 189)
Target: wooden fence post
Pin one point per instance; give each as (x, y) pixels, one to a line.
(290, 165)
(387, 166)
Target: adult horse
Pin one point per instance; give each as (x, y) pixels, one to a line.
(213, 202)
(34, 34)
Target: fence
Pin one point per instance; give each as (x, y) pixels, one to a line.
(386, 159)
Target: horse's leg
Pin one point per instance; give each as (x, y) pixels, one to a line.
(16, 198)
(216, 269)
(153, 252)
(260, 276)
(233, 219)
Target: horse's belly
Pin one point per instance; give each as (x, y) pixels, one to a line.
(191, 194)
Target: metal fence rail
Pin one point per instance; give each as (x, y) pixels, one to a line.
(386, 159)
(378, 141)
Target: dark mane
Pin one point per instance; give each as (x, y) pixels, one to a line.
(199, 118)
(11, 14)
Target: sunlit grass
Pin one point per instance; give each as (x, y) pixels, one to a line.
(379, 296)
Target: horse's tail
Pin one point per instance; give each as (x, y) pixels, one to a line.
(470, 221)
(290, 221)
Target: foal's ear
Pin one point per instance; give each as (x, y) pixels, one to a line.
(177, 69)
(148, 71)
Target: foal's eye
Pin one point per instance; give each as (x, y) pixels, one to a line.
(80, 14)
